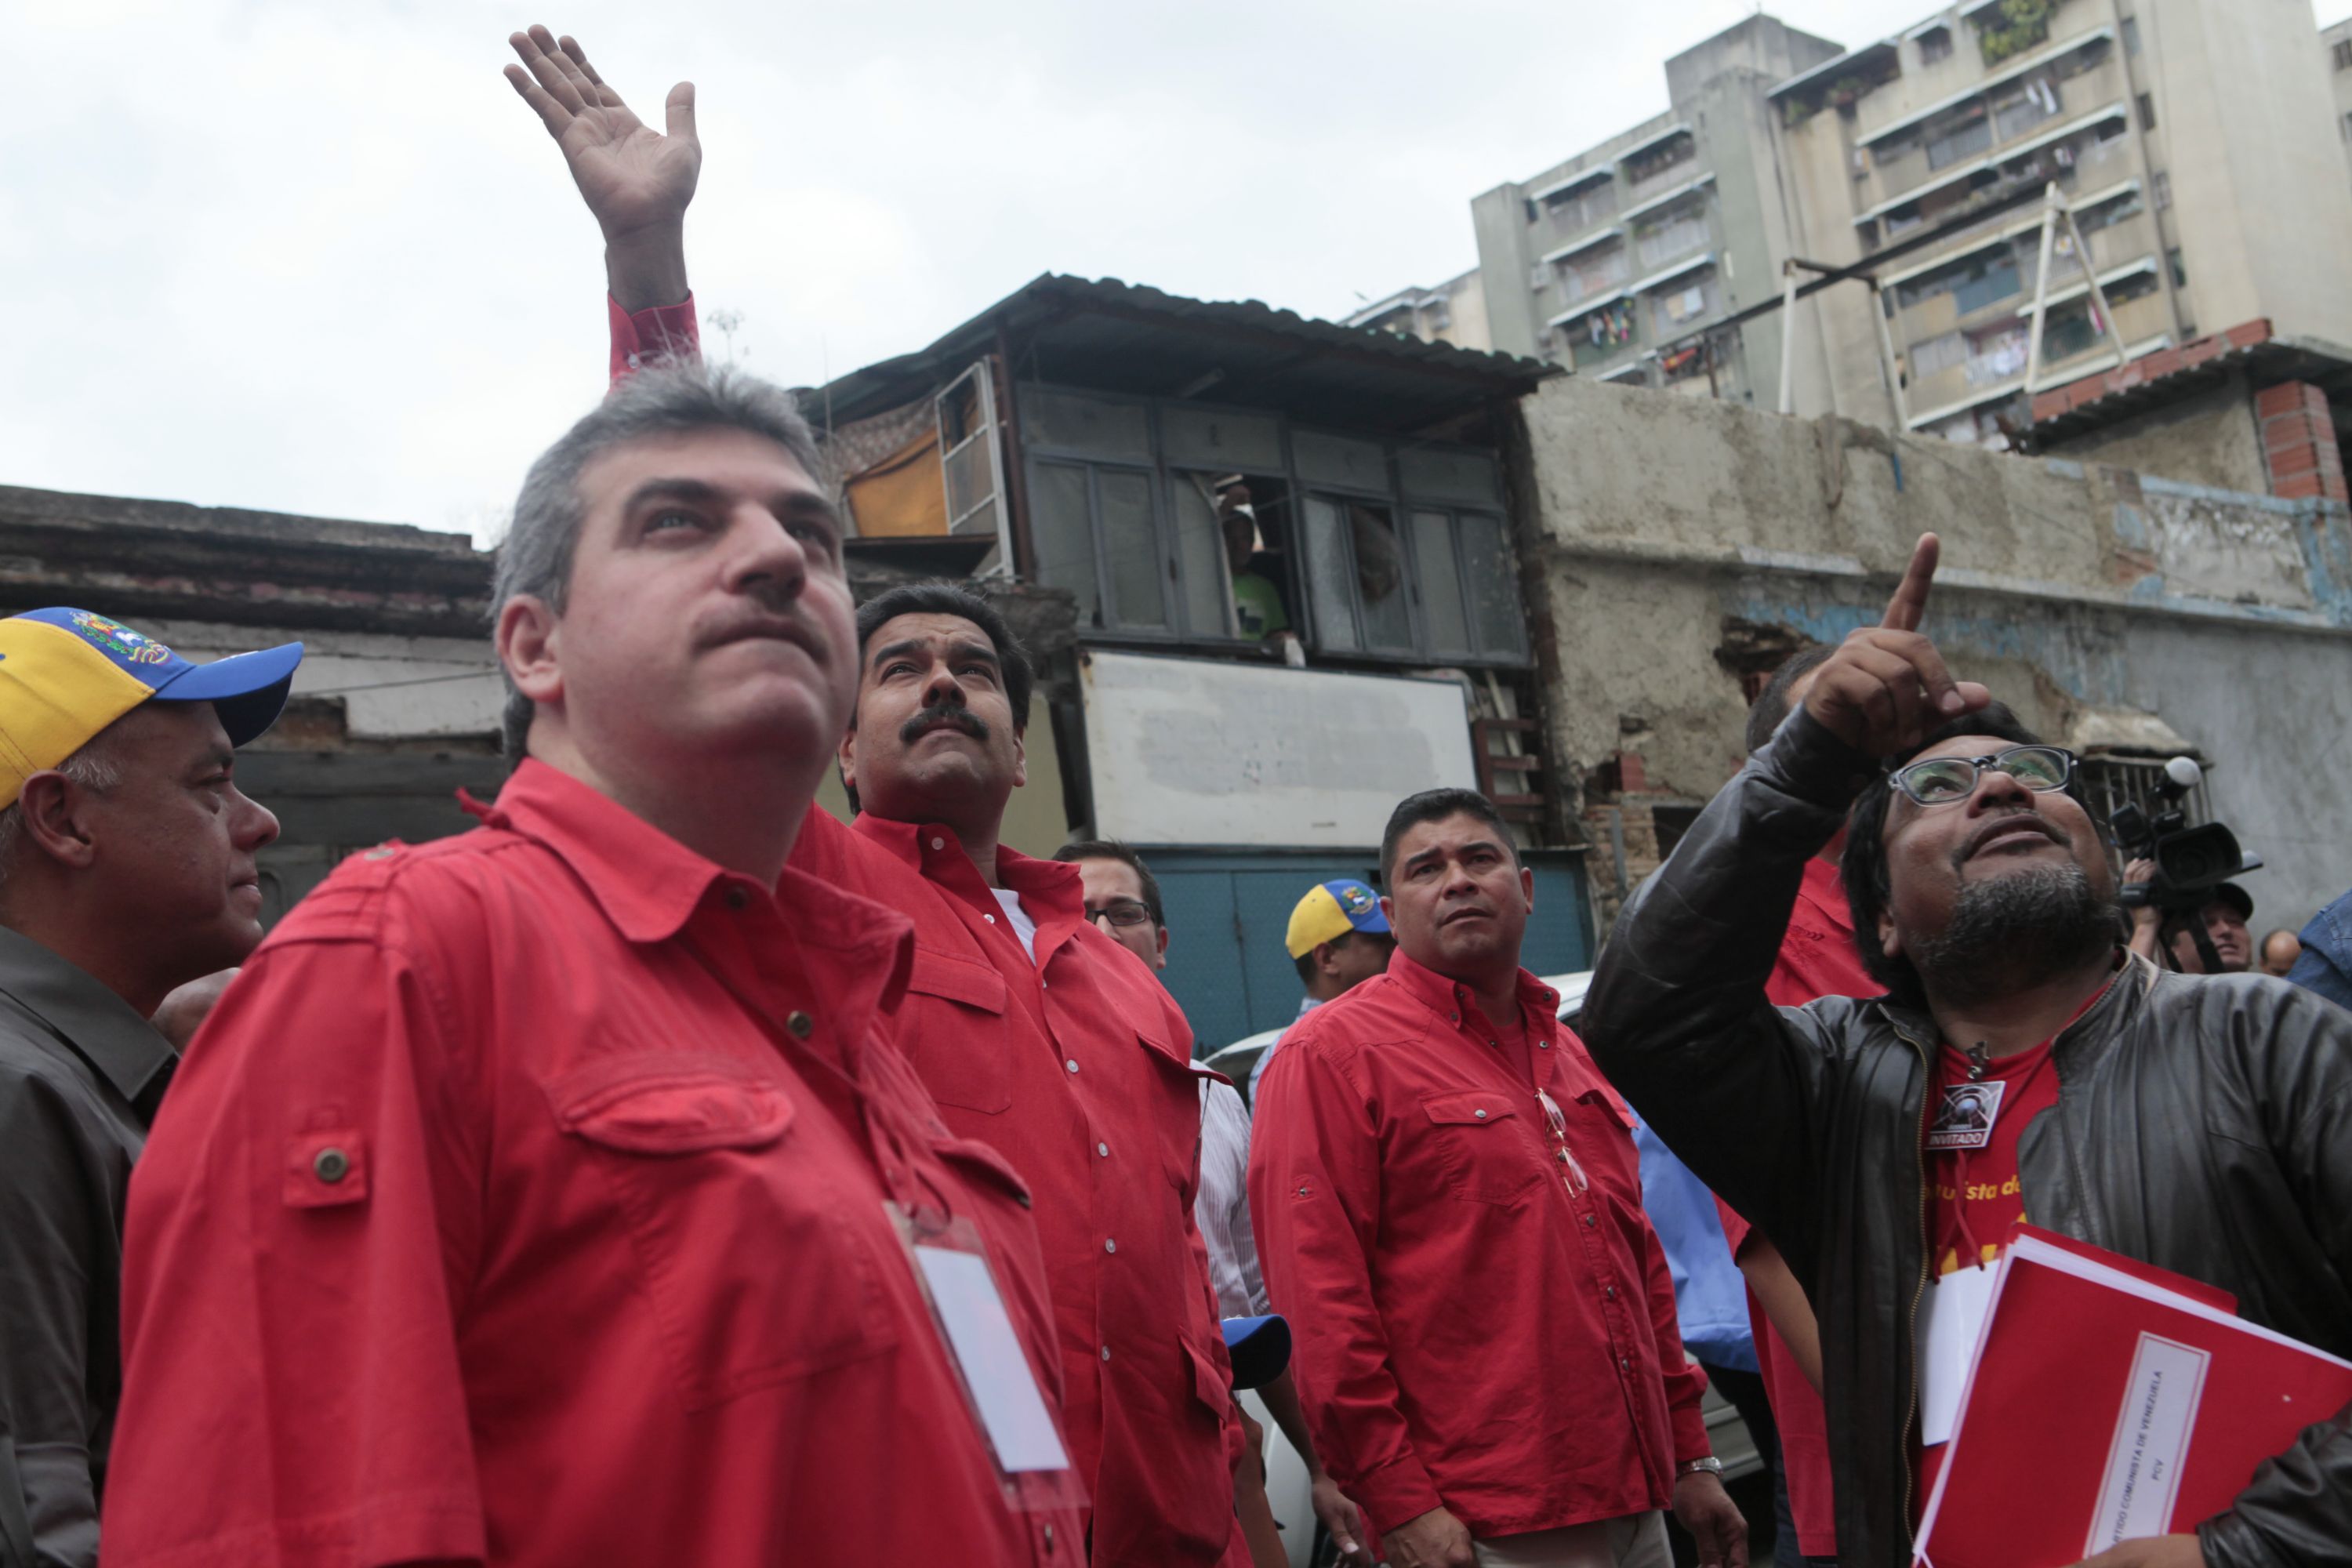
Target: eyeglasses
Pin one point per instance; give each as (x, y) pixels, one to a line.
(1940, 781)
(1124, 912)
(1558, 1119)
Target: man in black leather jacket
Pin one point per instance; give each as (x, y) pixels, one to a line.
(2201, 1124)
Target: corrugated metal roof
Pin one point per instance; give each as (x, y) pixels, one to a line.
(1126, 337)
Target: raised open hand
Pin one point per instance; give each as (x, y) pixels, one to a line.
(1886, 687)
(636, 181)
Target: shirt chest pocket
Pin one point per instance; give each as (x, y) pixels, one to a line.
(759, 1262)
(951, 1026)
(1481, 1147)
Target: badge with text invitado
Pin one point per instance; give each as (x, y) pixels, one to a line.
(1000, 1388)
(1965, 1119)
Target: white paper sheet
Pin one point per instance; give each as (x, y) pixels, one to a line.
(981, 1337)
(1950, 1321)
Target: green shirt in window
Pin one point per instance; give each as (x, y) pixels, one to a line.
(1257, 605)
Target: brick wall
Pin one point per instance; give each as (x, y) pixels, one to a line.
(2299, 444)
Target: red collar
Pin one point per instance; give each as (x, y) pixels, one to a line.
(1442, 993)
(1050, 890)
(649, 886)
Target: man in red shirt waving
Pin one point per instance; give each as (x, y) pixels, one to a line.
(1449, 1212)
(548, 1195)
(1036, 1033)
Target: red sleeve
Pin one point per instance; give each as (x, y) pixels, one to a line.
(301, 1227)
(1735, 1228)
(1685, 1383)
(1315, 1203)
(665, 331)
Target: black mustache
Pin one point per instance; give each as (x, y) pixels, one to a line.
(955, 715)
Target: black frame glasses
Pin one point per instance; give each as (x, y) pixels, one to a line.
(1909, 779)
(1122, 912)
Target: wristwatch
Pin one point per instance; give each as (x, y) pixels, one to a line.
(1711, 1465)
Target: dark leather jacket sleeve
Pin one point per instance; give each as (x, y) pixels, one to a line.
(2297, 1510)
(1676, 1014)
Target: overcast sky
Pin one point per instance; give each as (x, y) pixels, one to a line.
(318, 258)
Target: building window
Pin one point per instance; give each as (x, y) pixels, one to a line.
(1661, 158)
(2344, 54)
(1673, 233)
(2179, 269)
(2131, 35)
(2160, 185)
(1963, 133)
(2348, 128)
(1678, 306)
(1601, 335)
(1934, 44)
(2146, 112)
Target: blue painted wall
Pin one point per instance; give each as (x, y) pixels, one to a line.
(1227, 913)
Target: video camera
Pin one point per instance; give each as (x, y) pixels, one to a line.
(2190, 862)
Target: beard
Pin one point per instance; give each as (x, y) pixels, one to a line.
(2014, 931)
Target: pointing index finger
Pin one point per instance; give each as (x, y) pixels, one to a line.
(1908, 607)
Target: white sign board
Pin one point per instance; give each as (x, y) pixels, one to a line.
(1195, 750)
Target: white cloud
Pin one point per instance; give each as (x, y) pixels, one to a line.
(268, 254)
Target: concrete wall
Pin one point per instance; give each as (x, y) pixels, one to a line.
(2340, 87)
(2247, 116)
(2208, 439)
(1668, 529)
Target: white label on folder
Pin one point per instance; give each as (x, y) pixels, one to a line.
(1947, 1346)
(981, 1336)
(2152, 1432)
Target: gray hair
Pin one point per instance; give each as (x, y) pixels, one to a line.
(94, 767)
(676, 398)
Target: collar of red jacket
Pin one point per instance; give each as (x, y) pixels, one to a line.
(649, 885)
(1050, 890)
(1450, 996)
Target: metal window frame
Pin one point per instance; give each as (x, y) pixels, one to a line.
(1392, 493)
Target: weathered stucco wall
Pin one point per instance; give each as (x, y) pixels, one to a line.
(1673, 539)
(2208, 439)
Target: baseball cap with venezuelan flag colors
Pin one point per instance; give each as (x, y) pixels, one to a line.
(1330, 909)
(66, 674)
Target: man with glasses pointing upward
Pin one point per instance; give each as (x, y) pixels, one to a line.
(2021, 1062)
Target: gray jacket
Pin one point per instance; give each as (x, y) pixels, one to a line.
(2203, 1125)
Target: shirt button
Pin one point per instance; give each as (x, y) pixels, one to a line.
(1543, 1045)
(989, 919)
(800, 1024)
(1480, 1114)
(1608, 1293)
(1049, 1540)
(1109, 1246)
(939, 843)
(1624, 1363)
(634, 362)
(1072, 1065)
(331, 1165)
(1105, 1352)
(1104, 1150)
(736, 899)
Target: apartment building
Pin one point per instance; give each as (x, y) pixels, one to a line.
(1921, 159)
(2201, 202)
(1452, 312)
(1622, 261)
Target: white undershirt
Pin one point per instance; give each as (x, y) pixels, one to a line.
(1018, 918)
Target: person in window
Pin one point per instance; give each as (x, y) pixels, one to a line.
(1258, 613)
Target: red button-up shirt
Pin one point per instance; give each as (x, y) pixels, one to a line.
(1475, 1322)
(523, 1202)
(1077, 1066)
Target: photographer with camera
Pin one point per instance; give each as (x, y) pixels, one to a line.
(2223, 917)
(2200, 1124)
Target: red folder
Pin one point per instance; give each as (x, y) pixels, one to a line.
(2110, 1401)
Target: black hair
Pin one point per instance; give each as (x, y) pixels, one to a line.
(1436, 806)
(943, 597)
(1772, 704)
(1862, 867)
(1112, 850)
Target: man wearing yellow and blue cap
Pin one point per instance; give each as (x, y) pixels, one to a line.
(126, 869)
(1338, 939)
